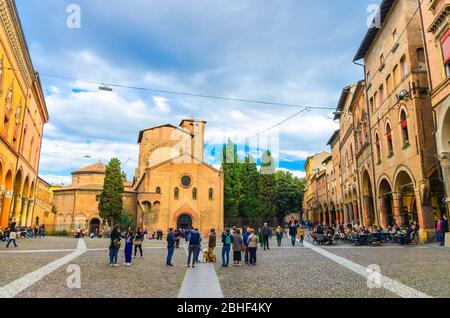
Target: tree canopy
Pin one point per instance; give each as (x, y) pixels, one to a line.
(111, 198)
(254, 194)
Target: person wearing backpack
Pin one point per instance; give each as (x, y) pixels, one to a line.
(114, 246)
(266, 232)
(227, 240)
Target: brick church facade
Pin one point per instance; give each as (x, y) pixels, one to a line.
(173, 187)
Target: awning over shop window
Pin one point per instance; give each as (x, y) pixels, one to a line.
(445, 42)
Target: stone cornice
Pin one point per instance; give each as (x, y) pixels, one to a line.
(440, 18)
(13, 28)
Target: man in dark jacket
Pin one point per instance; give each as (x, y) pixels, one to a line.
(170, 247)
(194, 242)
(266, 234)
(292, 232)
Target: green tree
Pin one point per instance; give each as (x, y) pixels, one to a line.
(267, 187)
(125, 221)
(249, 174)
(289, 193)
(232, 180)
(111, 198)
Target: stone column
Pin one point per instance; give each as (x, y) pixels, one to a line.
(398, 207)
(355, 211)
(347, 214)
(6, 207)
(382, 212)
(367, 211)
(2, 193)
(30, 212)
(17, 208)
(23, 212)
(445, 165)
(425, 211)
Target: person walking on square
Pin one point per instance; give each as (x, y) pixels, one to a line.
(237, 248)
(266, 235)
(138, 240)
(194, 241)
(227, 240)
(42, 231)
(170, 247)
(279, 235)
(293, 233)
(300, 234)
(212, 242)
(114, 246)
(199, 248)
(177, 236)
(12, 233)
(12, 238)
(128, 248)
(253, 241)
(245, 242)
(260, 237)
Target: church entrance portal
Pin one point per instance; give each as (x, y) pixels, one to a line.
(184, 222)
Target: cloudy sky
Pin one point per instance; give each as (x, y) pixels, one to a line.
(288, 51)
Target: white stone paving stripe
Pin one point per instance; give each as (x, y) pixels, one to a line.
(37, 251)
(200, 282)
(17, 286)
(386, 282)
(67, 250)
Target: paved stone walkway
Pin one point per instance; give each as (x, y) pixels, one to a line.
(201, 282)
(14, 288)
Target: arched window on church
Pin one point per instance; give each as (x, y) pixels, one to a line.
(194, 193)
(158, 190)
(211, 194)
(176, 193)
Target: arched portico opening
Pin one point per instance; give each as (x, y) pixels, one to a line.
(385, 204)
(404, 199)
(368, 204)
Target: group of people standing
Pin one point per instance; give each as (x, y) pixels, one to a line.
(131, 239)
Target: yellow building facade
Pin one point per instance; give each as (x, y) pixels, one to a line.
(76, 205)
(23, 114)
(43, 208)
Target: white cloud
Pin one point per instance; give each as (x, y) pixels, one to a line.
(161, 104)
(57, 179)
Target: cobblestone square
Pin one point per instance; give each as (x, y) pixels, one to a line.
(281, 272)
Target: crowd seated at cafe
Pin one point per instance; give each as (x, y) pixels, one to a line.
(360, 235)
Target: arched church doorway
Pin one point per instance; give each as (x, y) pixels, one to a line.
(184, 222)
(94, 226)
